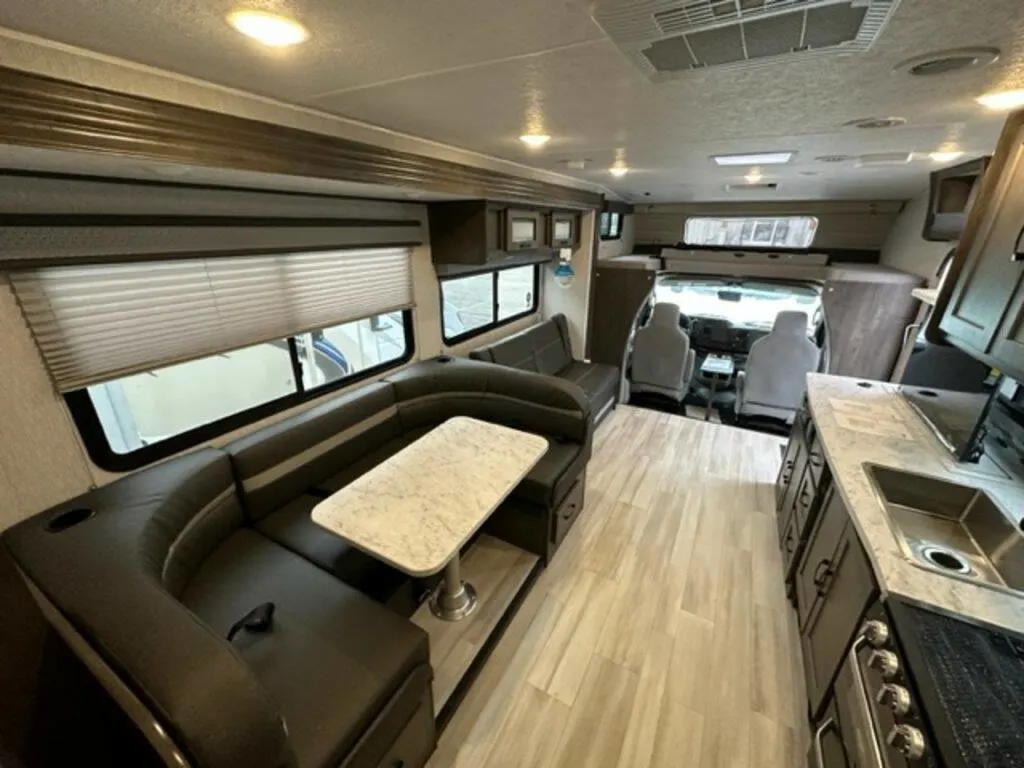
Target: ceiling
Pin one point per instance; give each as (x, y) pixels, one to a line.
(476, 74)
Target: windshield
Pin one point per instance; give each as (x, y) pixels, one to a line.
(744, 303)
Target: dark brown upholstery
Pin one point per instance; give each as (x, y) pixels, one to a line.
(545, 348)
(165, 561)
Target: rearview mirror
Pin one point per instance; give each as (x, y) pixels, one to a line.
(729, 295)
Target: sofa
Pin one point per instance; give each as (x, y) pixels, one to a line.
(152, 573)
(545, 348)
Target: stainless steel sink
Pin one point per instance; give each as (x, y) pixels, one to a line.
(954, 529)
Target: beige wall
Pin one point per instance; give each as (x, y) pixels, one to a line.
(855, 225)
(906, 250)
(573, 301)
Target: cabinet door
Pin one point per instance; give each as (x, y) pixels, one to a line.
(787, 508)
(617, 296)
(990, 277)
(816, 561)
(1008, 347)
(845, 592)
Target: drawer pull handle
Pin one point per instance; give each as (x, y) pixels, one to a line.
(816, 459)
(822, 573)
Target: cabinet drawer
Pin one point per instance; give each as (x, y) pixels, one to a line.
(816, 563)
(803, 502)
(567, 513)
(816, 457)
(789, 463)
(790, 544)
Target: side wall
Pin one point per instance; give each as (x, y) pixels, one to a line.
(906, 250)
(609, 249)
(42, 460)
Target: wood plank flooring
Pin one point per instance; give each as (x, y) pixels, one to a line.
(497, 570)
(660, 635)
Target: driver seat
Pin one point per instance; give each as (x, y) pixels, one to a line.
(777, 367)
(663, 361)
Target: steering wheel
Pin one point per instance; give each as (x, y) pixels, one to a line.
(684, 322)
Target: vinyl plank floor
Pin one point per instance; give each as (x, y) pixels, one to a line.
(660, 636)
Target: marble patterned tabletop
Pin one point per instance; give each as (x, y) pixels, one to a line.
(889, 432)
(415, 510)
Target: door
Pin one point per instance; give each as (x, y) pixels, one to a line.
(827, 749)
(846, 590)
(990, 276)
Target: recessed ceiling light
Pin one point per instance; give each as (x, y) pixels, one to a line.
(945, 157)
(1002, 99)
(618, 171)
(946, 62)
(869, 123)
(764, 158)
(535, 140)
(754, 176)
(268, 28)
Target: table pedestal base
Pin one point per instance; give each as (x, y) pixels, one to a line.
(454, 599)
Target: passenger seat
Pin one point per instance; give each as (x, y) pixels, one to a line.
(777, 366)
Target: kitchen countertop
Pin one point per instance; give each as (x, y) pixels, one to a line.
(876, 425)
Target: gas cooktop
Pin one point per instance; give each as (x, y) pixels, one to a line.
(970, 680)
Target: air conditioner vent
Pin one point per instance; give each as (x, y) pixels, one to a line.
(767, 186)
(669, 38)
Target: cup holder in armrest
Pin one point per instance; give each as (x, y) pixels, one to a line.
(67, 519)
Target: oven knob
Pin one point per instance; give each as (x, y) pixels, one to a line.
(886, 662)
(876, 633)
(908, 741)
(896, 697)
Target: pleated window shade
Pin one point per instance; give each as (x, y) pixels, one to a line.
(100, 322)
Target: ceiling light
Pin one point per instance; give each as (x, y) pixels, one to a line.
(1002, 99)
(948, 61)
(754, 176)
(267, 28)
(870, 123)
(765, 158)
(535, 140)
(618, 171)
(945, 157)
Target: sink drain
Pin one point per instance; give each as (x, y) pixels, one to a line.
(946, 559)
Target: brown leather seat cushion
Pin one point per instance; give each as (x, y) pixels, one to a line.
(332, 659)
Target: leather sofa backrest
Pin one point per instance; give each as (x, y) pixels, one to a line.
(543, 348)
(279, 462)
(112, 562)
(433, 391)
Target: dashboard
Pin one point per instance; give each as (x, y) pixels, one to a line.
(717, 335)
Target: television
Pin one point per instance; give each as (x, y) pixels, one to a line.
(952, 193)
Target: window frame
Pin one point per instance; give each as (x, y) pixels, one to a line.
(605, 226)
(467, 335)
(87, 420)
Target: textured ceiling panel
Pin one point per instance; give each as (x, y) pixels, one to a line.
(476, 73)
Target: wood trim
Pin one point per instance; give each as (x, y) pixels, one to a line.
(614, 206)
(44, 112)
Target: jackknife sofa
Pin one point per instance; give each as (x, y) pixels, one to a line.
(151, 574)
(545, 348)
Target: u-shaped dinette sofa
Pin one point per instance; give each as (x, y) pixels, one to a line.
(147, 575)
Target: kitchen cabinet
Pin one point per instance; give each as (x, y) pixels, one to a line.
(983, 310)
(477, 234)
(834, 587)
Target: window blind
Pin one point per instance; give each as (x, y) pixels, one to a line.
(99, 322)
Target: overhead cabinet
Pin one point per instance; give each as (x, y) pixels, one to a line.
(490, 234)
(983, 310)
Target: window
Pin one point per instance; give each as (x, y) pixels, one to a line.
(744, 303)
(752, 232)
(135, 420)
(476, 303)
(611, 226)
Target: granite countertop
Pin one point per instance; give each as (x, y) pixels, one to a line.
(416, 509)
(876, 425)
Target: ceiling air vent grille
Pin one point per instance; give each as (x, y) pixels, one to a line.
(667, 39)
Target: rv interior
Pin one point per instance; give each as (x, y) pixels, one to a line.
(600, 384)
